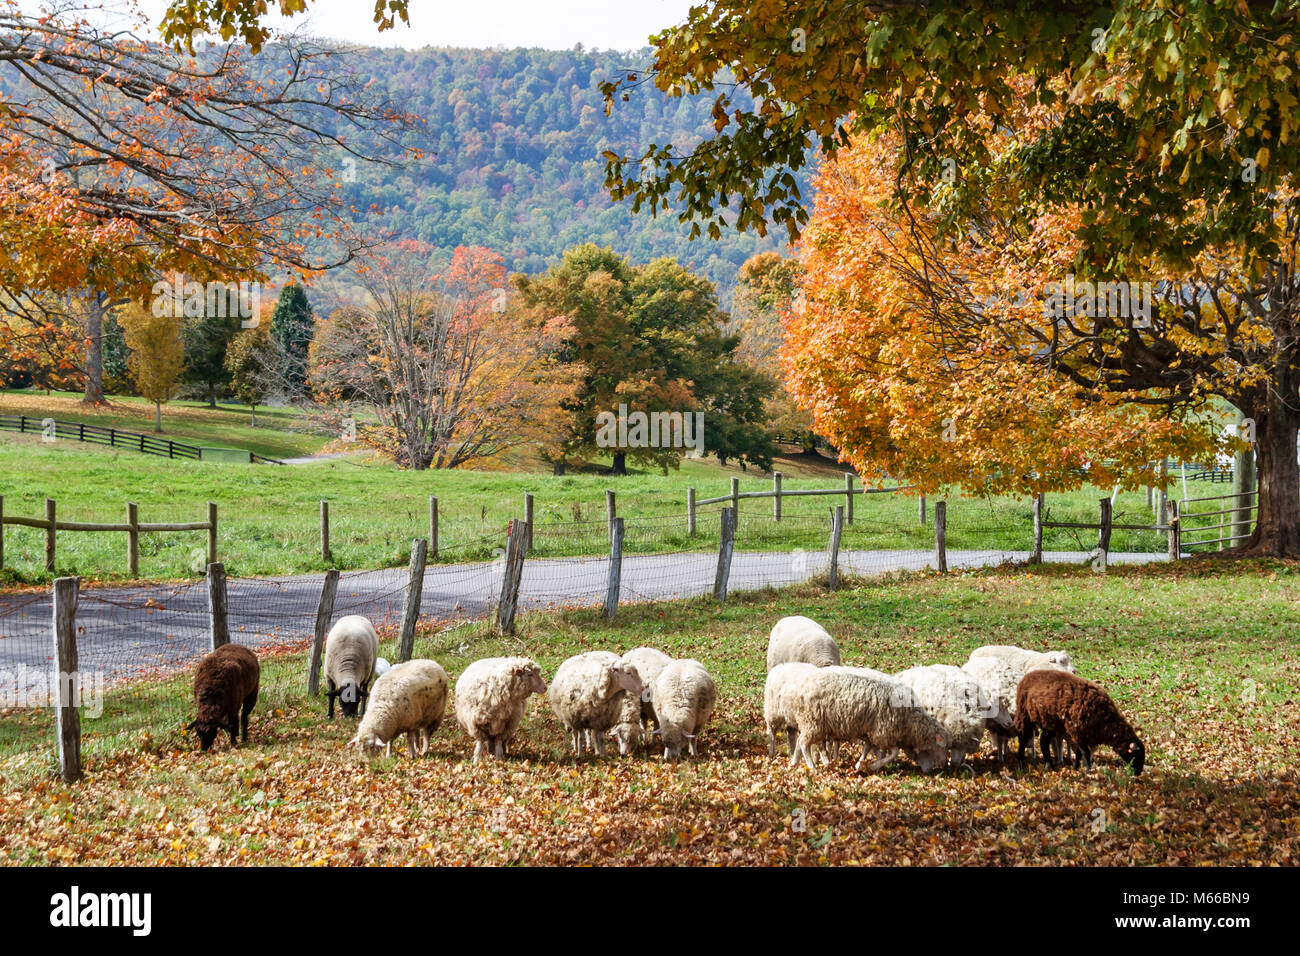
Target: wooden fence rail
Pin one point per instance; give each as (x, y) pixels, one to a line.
(132, 528)
(53, 428)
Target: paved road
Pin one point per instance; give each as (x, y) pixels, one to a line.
(124, 632)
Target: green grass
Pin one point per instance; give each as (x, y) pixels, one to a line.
(269, 515)
(1202, 657)
(280, 432)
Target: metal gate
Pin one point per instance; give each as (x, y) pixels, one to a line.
(1215, 522)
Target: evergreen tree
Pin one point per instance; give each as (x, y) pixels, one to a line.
(292, 327)
(206, 341)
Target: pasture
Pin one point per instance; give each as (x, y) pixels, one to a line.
(1201, 657)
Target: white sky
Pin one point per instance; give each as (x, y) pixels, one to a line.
(551, 24)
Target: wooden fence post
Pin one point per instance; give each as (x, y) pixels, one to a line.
(50, 526)
(325, 531)
(920, 510)
(941, 535)
(67, 718)
(725, 544)
(2, 531)
(219, 627)
(611, 510)
(615, 569)
(514, 569)
(528, 522)
(735, 502)
(1036, 556)
(1175, 537)
(1243, 482)
(776, 495)
(433, 527)
(324, 613)
(212, 532)
(1162, 496)
(414, 592)
(690, 512)
(833, 547)
(848, 495)
(133, 539)
(1103, 533)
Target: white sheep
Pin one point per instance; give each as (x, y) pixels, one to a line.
(959, 701)
(1024, 659)
(410, 699)
(636, 714)
(587, 694)
(490, 697)
(999, 669)
(684, 695)
(778, 709)
(855, 703)
(382, 667)
(801, 639)
(351, 648)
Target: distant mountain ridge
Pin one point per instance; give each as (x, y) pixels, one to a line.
(516, 138)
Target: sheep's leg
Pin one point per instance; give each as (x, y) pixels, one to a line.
(694, 747)
(332, 694)
(576, 739)
(499, 749)
(478, 749)
(598, 742)
(410, 743)
(884, 761)
(233, 727)
(807, 747)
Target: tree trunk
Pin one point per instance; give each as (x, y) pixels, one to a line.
(212, 394)
(1277, 525)
(620, 463)
(157, 416)
(558, 467)
(94, 394)
(809, 443)
(252, 419)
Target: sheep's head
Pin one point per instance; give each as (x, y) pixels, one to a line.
(531, 676)
(628, 736)
(931, 755)
(623, 677)
(210, 717)
(1061, 659)
(367, 743)
(349, 698)
(1134, 753)
(674, 739)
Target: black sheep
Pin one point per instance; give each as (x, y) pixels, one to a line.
(1061, 704)
(225, 691)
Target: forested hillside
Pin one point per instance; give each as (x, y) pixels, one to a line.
(516, 138)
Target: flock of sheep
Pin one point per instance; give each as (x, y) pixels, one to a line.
(937, 714)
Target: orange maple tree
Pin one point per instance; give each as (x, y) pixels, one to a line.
(942, 360)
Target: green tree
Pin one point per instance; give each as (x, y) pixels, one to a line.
(206, 341)
(292, 327)
(253, 361)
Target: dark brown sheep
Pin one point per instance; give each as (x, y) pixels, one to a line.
(225, 690)
(1064, 705)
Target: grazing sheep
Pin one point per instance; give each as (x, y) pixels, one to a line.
(1023, 659)
(410, 699)
(958, 701)
(801, 639)
(587, 694)
(1061, 704)
(490, 698)
(636, 714)
(351, 649)
(382, 667)
(854, 703)
(684, 696)
(225, 692)
(778, 708)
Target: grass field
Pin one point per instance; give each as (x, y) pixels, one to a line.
(1203, 659)
(269, 514)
